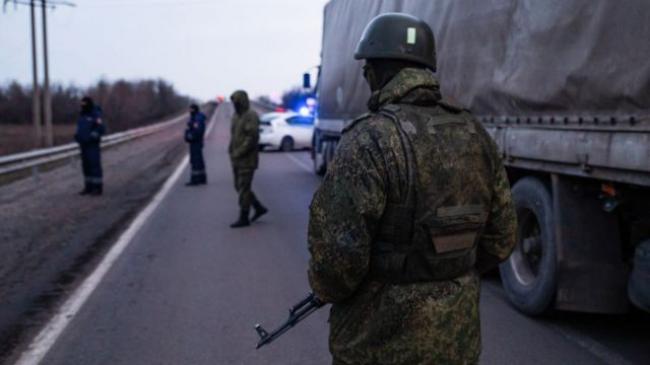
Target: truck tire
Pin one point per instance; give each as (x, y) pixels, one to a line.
(329, 147)
(318, 156)
(639, 283)
(529, 275)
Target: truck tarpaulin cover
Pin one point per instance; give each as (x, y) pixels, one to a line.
(507, 57)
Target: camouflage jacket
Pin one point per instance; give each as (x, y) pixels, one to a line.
(244, 136)
(433, 322)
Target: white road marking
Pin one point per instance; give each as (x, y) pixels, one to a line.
(592, 346)
(48, 336)
(299, 162)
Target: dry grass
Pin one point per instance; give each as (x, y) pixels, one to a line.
(16, 138)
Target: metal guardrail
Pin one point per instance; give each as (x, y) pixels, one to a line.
(33, 159)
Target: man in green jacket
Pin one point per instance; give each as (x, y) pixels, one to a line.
(243, 150)
(415, 206)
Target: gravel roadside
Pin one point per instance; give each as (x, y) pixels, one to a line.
(50, 236)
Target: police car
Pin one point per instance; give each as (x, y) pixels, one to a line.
(286, 131)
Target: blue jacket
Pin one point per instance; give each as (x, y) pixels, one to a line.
(195, 128)
(90, 128)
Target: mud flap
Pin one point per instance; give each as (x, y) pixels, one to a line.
(639, 285)
(592, 276)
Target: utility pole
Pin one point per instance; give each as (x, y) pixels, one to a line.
(36, 107)
(36, 95)
(47, 100)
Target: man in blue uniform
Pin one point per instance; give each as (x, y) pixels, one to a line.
(90, 129)
(194, 137)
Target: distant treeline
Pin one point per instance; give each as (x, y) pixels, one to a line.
(125, 104)
(292, 99)
(295, 98)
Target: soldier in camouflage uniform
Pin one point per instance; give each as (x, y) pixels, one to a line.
(244, 136)
(415, 205)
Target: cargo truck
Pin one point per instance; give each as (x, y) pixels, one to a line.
(563, 87)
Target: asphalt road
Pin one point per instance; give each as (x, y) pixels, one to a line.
(50, 236)
(188, 289)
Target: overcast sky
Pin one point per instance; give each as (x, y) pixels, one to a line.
(205, 47)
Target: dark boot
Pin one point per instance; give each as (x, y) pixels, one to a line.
(98, 189)
(87, 189)
(260, 210)
(243, 220)
(194, 180)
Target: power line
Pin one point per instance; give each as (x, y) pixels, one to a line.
(47, 100)
(156, 3)
(47, 3)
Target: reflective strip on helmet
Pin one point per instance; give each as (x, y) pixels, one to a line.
(411, 34)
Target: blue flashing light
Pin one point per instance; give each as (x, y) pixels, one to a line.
(304, 111)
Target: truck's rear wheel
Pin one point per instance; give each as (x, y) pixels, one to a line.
(639, 284)
(318, 156)
(529, 274)
(322, 159)
(329, 147)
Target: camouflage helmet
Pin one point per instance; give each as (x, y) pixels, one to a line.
(398, 36)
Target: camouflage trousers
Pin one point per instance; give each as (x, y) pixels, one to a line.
(415, 324)
(243, 185)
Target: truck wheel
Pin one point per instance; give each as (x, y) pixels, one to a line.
(319, 164)
(318, 156)
(639, 284)
(529, 274)
(322, 159)
(329, 148)
(287, 144)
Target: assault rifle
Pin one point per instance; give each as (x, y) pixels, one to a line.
(297, 313)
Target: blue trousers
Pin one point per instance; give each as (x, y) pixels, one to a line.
(197, 163)
(91, 164)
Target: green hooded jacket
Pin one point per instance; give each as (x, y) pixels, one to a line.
(458, 165)
(244, 134)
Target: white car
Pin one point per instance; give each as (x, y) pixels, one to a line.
(286, 131)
